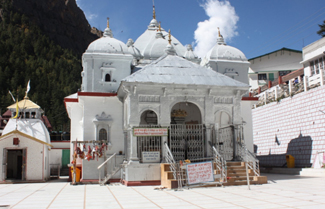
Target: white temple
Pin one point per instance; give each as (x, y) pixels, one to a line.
(140, 98)
(25, 145)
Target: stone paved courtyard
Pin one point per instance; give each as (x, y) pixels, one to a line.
(282, 191)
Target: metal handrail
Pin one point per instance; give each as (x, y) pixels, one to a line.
(221, 164)
(104, 163)
(174, 167)
(101, 165)
(170, 160)
(249, 158)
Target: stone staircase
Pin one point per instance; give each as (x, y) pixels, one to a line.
(236, 175)
(167, 177)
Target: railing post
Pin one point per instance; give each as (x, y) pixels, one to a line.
(290, 88)
(247, 176)
(299, 79)
(276, 93)
(321, 77)
(270, 84)
(305, 82)
(280, 80)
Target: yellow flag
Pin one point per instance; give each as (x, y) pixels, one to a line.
(17, 110)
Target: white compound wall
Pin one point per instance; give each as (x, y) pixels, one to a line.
(297, 123)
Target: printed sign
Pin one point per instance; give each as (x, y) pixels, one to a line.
(199, 172)
(151, 157)
(150, 131)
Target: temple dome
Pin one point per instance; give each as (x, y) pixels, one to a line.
(190, 55)
(132, 49)
(149, 45)
(156, 47)
(221, 51)
(107, 44)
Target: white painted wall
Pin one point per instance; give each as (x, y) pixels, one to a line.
(311, 53)
(95, 105)
(35, 156)
(83, 128)
(96, 66)
(314, 49)
(226, 67)
(56, 157)
(273, 63)
(246, 113)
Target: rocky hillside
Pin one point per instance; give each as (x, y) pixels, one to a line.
(42, 41)
(61, 20)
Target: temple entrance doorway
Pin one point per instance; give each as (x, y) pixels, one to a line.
(148, 119)
(225, 134)
(14, 161)
(186, 132)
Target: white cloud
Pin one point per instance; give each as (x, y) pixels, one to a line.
(91, 16)
(221, 14)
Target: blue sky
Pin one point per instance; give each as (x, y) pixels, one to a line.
(255, 27)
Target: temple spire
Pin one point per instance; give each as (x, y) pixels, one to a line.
(107, 31)
(220, 39)
(170, 49)
(154, 10)
(169, 37)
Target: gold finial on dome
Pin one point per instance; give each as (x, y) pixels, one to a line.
(154, 10)
(108, 22)
(169, 37)
(219, 32)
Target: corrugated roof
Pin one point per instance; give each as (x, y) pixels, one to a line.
(171, 69)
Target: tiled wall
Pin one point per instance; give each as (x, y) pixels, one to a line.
(298, 125)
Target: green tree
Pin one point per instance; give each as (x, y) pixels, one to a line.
(321, 31)
(54, 72)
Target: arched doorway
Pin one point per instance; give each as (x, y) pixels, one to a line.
(186, 133)
(223, 119)
(148, 119)
(225, 134)
(185, 113)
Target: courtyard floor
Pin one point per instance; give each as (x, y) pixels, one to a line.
(282, 191)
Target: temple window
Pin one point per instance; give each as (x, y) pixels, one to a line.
(107, 77)
(102, 135)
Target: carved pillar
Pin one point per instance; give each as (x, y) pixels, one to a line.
(237, 121)
(133, 146)
(208, 140)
